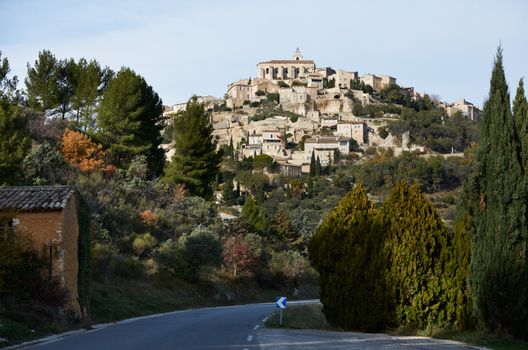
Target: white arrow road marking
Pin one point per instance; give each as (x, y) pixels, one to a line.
(249, 338)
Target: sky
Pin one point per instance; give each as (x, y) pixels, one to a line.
(445, 48)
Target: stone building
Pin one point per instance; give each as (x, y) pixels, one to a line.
(48, 214)
(325, 147)
(353, 130)
(342, 78)
(378, 82)
(296, 68)
(467, 109)
(248, 90)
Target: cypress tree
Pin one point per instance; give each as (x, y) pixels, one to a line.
(520, 113)
(496, 203)
(195, 162)
(312, 165)
(414, 248)
(318, 168)
(228, 194)
(310, 190)
(346, 251)
(231, 149)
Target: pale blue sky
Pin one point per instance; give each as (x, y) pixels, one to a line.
(198, 47)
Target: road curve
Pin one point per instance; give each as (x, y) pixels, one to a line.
(231, 327)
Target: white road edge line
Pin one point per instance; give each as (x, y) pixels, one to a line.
(249, 338)
(265, 319)
(256, 327)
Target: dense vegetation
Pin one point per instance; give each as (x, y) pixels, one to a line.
(422, 274)
(494, 215)
(156, 226)
(385, 267)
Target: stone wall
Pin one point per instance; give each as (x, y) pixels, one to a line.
(59, 230)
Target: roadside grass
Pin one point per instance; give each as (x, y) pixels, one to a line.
(310, 316)
(125, 298)
(482, 339)
(132, 298)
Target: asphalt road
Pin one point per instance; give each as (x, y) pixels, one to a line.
(233, 327)
(219, 328)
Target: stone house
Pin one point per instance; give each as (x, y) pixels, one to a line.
(378, 82)
(48, 214)
(324, 147)
(353, 130)
(467, 109)
(342, 78)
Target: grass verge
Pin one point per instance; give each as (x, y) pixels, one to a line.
(483, 339)
(310, 316)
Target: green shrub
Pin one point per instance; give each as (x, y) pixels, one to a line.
(416, 249)
(346, 252)
(383, 133)
(272, 96)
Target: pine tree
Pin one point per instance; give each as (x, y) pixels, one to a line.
(496, 207)
(130, 121)
(41, 82)
(346, 251)
(14, 138)
(195, 162)
(312, 165)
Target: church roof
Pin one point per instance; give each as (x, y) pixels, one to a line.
(289, 62)
(34, 198)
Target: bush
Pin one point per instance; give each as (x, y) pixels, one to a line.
(394, 266)
(346, 252)
(383, 133)
(262, 161)
(416, 247)
(282, 84)
(289, 264)
(240, 255)
(273, 96)
(187, 256)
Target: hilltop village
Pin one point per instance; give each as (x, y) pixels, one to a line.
(293, 109)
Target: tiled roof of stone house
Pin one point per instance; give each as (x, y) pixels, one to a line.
(35, 198)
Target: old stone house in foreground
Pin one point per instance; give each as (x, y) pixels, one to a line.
(49, 215)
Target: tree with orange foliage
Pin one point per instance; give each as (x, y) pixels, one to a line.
(79, 150)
